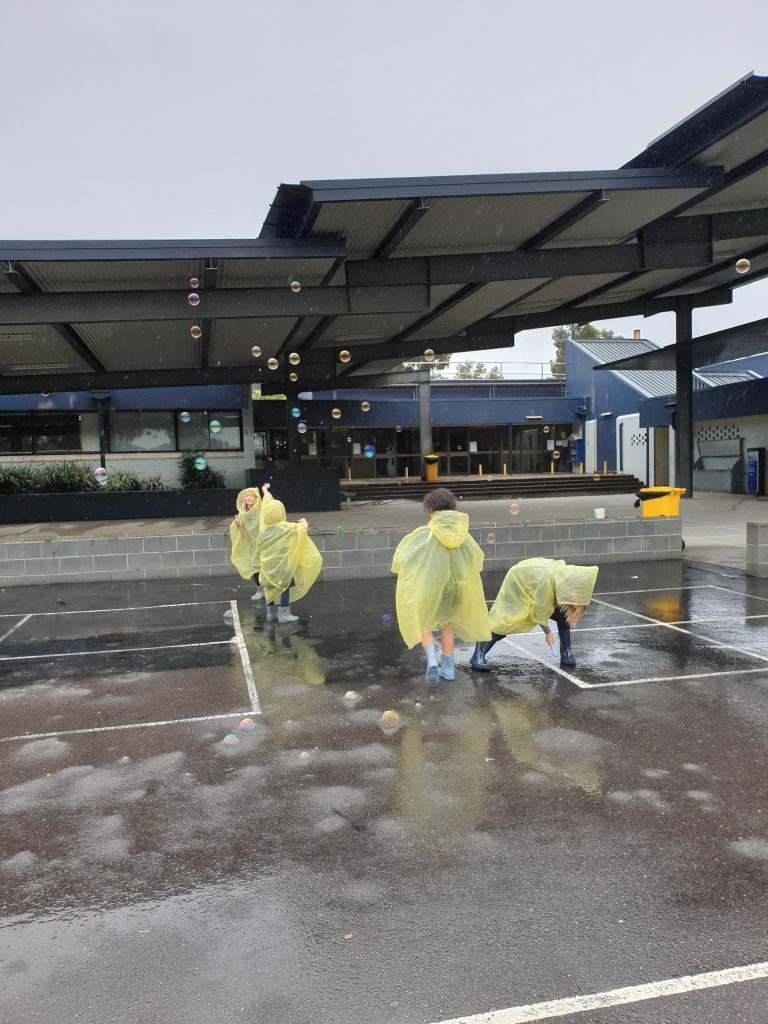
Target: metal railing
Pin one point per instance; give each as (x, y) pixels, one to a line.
(462, 369)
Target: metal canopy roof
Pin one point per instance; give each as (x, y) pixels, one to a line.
(391, 267)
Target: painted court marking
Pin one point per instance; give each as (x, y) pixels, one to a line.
(103, 611)
(115, 650)
(617, 996)
(13, 628)
(116, 728)
(245, 659)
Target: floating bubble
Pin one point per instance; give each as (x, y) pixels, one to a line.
(215, 427)
(369, 451)
(491, 538)
(185, 417)
(596, 476)
(200, 463)
(742, 266)
(429, 355)
(247, 725)
(545, 429)
(272, 363)
(293, 376)
(194, 282)
(555, 455)
(336, 413)
(349, 440)
(398, 430)
(231, 740)
(100, 475)
(390, 718)
(365, 406)
(228, 616)
(302, 428)
(386, 617)
(350, 695)
(193, 299)
(296, 412)
(344, 356)
(296, 286)
(514, 509)
(196, 330)
(294, 358)
(255, 351)
(339, 529)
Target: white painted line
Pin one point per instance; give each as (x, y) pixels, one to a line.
(13, 628)
(116, 728)
(547, 664)
(717, 618)
(245, 659)
(658, 590)
(674, 679)
(617, 996)
(130, 608)
(111, 650)
(740, 593)
(686, 632)
(626, 625)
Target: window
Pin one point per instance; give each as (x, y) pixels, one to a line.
(142, 432)
(196, 434)
(48, 433)
(16, 435)
(57, 433)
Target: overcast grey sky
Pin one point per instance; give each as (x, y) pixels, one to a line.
(179, 118)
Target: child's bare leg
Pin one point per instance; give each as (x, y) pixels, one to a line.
(428, 643)
(447, 670)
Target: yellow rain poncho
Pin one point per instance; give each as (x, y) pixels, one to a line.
(287, 554)
(438, 571)
(533, 588)
(245, 538)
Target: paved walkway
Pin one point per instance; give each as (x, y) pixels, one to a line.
(714, 525)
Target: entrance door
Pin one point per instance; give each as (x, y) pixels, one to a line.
(661, 457)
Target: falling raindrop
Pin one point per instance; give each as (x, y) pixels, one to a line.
(196, 331)
(255, 351)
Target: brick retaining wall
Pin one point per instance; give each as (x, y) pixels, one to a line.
(354, 554)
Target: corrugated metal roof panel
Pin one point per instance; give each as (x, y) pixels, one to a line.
(651, 383)
(608, 350)
(114, 275)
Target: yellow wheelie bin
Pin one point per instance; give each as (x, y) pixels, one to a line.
(430, 468)
(660, 501)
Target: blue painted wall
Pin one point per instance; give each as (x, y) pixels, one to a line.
(748, 398)
(218, 396)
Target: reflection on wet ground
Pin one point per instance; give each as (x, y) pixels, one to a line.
(512, 838)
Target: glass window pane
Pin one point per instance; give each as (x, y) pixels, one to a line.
(193, 436)
(15, 434)
(229, 436)
(142, 432)
(56, 433)
(89, 431)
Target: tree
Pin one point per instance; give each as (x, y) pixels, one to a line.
(476, 371)
(438, 363)
(574, 332)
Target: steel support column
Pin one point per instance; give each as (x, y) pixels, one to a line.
(294, 449)
(425, 416)
(684, 412)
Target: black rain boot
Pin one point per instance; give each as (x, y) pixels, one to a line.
(477, 661)
(567, 659)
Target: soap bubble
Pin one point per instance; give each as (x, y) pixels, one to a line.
(398, 430)
(296, 412)
(194, 282)
(336, 413)
(302, 428)
(429, 355)
(491, 538)
(294, 358)
(386, 617)
(100, 475)
(247, 725)
(365, 406)
(339, 529)
(344, 356)
(369, 451)
(349, 440)
(596, 476)
(185, 417)
(514, 509)
(555, 455)
(255, 351)
(200, 463)
(196, 330)
(272, 363)
(230, 740)
(390, 718)
(742, 266)
(295, 286)
(545, 429)
(293, 376)
(215, 427)
(193, 299)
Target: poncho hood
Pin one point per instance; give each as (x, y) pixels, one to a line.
(240, 500)
(450, 528)
(574, 583)
(273, 513)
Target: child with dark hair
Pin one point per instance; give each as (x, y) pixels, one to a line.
(533, 592)
(438, 570)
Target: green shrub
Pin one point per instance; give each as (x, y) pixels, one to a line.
(65, 478)
(72, 478)
(127, 480)
(192, 478)
(17, 480)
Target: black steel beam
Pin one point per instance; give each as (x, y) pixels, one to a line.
(566, 220)
(198, 249)
(707, 227)
(210, 282)
(684, 407)
(379, 380)
(115, 307)
(400, 230)
(480, 268)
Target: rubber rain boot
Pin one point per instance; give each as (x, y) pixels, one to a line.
(477, 661)
(284, 614)
(259, 595)
(432, 671)
(271, 613)
(567, 659)
(447, 669)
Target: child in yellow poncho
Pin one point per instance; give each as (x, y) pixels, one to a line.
(438, 570)
(290, 562)
(244, 536)
(533, 592)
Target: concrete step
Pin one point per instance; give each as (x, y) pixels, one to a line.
(480, 489)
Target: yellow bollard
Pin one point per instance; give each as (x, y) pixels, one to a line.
(605, 469)
(581, 469)
(349, 474)
(406, 472)
(505, 469)
(552, 466)
(480, 469)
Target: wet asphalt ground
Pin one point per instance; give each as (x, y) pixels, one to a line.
(524, 836)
